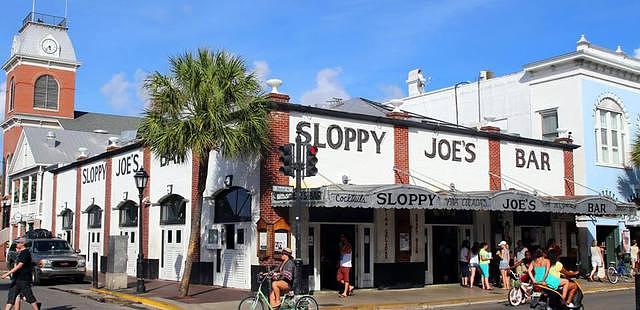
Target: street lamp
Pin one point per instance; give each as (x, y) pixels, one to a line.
(455, 93)
(141, 178)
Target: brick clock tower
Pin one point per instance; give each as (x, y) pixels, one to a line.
(41, 77)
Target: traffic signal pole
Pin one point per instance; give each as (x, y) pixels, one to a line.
(297, 209)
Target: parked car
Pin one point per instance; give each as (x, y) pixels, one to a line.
(52, 258)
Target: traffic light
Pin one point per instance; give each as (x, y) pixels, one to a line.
(286, 159)
(311, 161)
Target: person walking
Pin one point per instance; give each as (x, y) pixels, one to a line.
(474, 263)
(345, 266)
(634, 256)
(520, 254)
(484, 257)
(21, 281)
(463, 262)
(505, 258)
(596, 259)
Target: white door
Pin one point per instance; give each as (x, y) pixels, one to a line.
(94, 245)
(172, 252)
(132, 250)
(364, 239)
(215, 243)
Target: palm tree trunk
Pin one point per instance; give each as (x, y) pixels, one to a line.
(196, 213)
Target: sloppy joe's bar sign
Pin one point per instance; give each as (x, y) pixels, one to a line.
(391, 196)
(340, 137)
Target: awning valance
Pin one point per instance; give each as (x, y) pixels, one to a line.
(405, 196)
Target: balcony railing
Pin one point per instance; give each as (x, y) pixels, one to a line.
(44, 19)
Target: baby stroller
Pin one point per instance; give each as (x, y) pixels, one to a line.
(521, 289)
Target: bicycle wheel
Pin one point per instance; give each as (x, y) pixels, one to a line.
(612, 275)
(251, 303)
(515, 296)
(307, 303)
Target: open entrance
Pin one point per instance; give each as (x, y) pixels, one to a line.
(330, 253)
(610, 236)
(445, 254)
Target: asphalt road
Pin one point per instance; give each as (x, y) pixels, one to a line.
(616, 300)
(52, 297)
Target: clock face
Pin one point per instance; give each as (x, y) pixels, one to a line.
(49, 46)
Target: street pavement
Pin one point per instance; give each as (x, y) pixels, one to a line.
(616, 300)
(56, 296)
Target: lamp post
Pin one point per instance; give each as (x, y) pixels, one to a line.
(455, 94)
(141, 177)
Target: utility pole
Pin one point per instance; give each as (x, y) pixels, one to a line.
(297, 209)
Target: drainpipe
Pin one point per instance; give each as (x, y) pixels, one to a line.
(455, 94)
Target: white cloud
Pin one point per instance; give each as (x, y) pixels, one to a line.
(327, 87)
(636, 52)
(141, 93)
(117, 91)
(391, 92)
(261, 70)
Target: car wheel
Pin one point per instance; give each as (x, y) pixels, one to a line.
(35, 278)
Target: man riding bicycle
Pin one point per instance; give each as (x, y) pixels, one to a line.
(282, 280)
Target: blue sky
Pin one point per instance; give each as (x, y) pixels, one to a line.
(322, 49)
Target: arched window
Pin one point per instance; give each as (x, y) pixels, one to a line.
(610, 129)
(128, 213)
(12, 91)
(172, 209)
(67, 219)
(232, 205)
(94, 216)
(45, 95)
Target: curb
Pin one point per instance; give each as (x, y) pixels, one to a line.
(139, 299)
(452, 302)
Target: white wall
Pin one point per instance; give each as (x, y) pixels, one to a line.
(467, 167)
(66, 196)
(372, 164)
(522, 167)
(46, 200)
(93, 188)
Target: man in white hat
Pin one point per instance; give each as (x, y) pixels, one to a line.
(282, 280)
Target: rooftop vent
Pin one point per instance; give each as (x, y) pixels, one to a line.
(100, 131)
(51, 139)
(82, 153)
(416, 82)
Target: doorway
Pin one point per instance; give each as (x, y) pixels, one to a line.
(611, 238)
(330, 253)
(445, 254)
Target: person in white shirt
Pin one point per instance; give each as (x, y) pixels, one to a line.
(521, 252)
(474, 263)
(463, 262)
(634, 256)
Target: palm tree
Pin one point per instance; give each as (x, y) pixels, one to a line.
(209, 101)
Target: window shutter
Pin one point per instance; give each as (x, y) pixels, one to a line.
(46, 93)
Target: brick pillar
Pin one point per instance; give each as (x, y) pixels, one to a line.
(195, 177)
(569, 186)
(78, 211)
(269, 172)
(107, 207)
(146, 159)
(401, 154)
(54, 213)
(495, 179)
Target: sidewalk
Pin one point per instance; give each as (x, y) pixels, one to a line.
(428, 297)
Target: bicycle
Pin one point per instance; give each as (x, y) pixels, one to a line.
(289, 300)
(614, 273)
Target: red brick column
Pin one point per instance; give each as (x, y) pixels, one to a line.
(569, 186)
(54, 214)
(495, 179)
(270, 174)
(401, 154)
(146, 159)
(195, 177)
(78, 212)
(107, 207)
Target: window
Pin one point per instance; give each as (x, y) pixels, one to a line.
(95, 216)
(67, 219)
(172, 210)
(12, 91)
(16, 191)
(46, 93)
(240, 236)
(549, 124)
(6, 216)
(25, 190)
(33, 189)
(610, 133)
(128, 213)
(233, 205)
